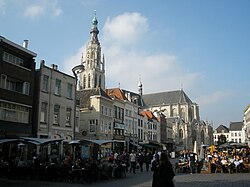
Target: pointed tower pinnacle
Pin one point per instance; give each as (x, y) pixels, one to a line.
(94, 30)
(140, 86)
(93, 75)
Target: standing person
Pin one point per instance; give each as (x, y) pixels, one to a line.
(192, 162)
(132, 159)
(147, 160)
(141, 160)
(155, 168)
(166, 172)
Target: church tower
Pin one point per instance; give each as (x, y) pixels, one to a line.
(93, 75)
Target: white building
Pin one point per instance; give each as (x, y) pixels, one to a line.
(236, 132)
(222, 130)
(246, 125)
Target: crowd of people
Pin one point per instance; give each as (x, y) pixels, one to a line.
(86, 170)
(229, 160)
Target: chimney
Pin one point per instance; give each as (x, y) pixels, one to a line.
(54, 67)
(25, 43)
(42, 62)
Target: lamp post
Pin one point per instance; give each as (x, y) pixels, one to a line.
(76, 70)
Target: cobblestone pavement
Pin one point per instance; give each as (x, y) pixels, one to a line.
(144, 179)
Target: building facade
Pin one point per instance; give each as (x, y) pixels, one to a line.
(246, 124)
(222, 130)
(55, 101)
(236, 133)
(183, 115)
(17, 75)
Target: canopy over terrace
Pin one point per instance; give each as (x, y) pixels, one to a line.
(24, 141)
(2, 141)
(35, 141)
(85, 152)
(40, 141)
(98, 142)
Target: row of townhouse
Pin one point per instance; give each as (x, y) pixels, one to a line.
(33, 102)
(47, 103)
(42, 103)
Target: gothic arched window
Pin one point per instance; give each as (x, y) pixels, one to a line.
(202, 137)
(182, 114)
(100, 81)
(194, 135)
(95, 83)
(181, 136)
(89, 81)
(84, 81)
(174, 112)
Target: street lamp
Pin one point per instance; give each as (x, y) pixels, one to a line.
(76, 70)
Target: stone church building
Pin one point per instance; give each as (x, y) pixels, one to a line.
(183, 115)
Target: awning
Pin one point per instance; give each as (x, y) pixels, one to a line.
(98, 142)
(40, 141)
(150, 145)
(35, 141)
(8, 140)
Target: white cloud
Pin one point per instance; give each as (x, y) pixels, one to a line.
(213, 98)
(43, 8)
(125, 29)
(159, 72)
(73, 60)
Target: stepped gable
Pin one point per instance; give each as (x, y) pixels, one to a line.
(170, 97)
(235, 126)
(84, 96)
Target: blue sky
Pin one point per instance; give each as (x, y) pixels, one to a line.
(200, 46)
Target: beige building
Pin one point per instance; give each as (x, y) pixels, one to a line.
(95, 114)
(55, 103)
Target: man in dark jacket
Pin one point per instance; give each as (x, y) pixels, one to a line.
(155, 168)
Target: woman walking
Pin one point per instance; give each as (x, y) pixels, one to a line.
(166, 172)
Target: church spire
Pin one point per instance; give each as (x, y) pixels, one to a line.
(94, 30)
(140, 86)
(93, 75)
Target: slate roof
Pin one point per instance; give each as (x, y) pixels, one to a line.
(165, 98)
(134, 95)
(84, 96)
(222, 127)
(236, 126)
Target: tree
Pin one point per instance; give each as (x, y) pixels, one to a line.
(222, 139)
